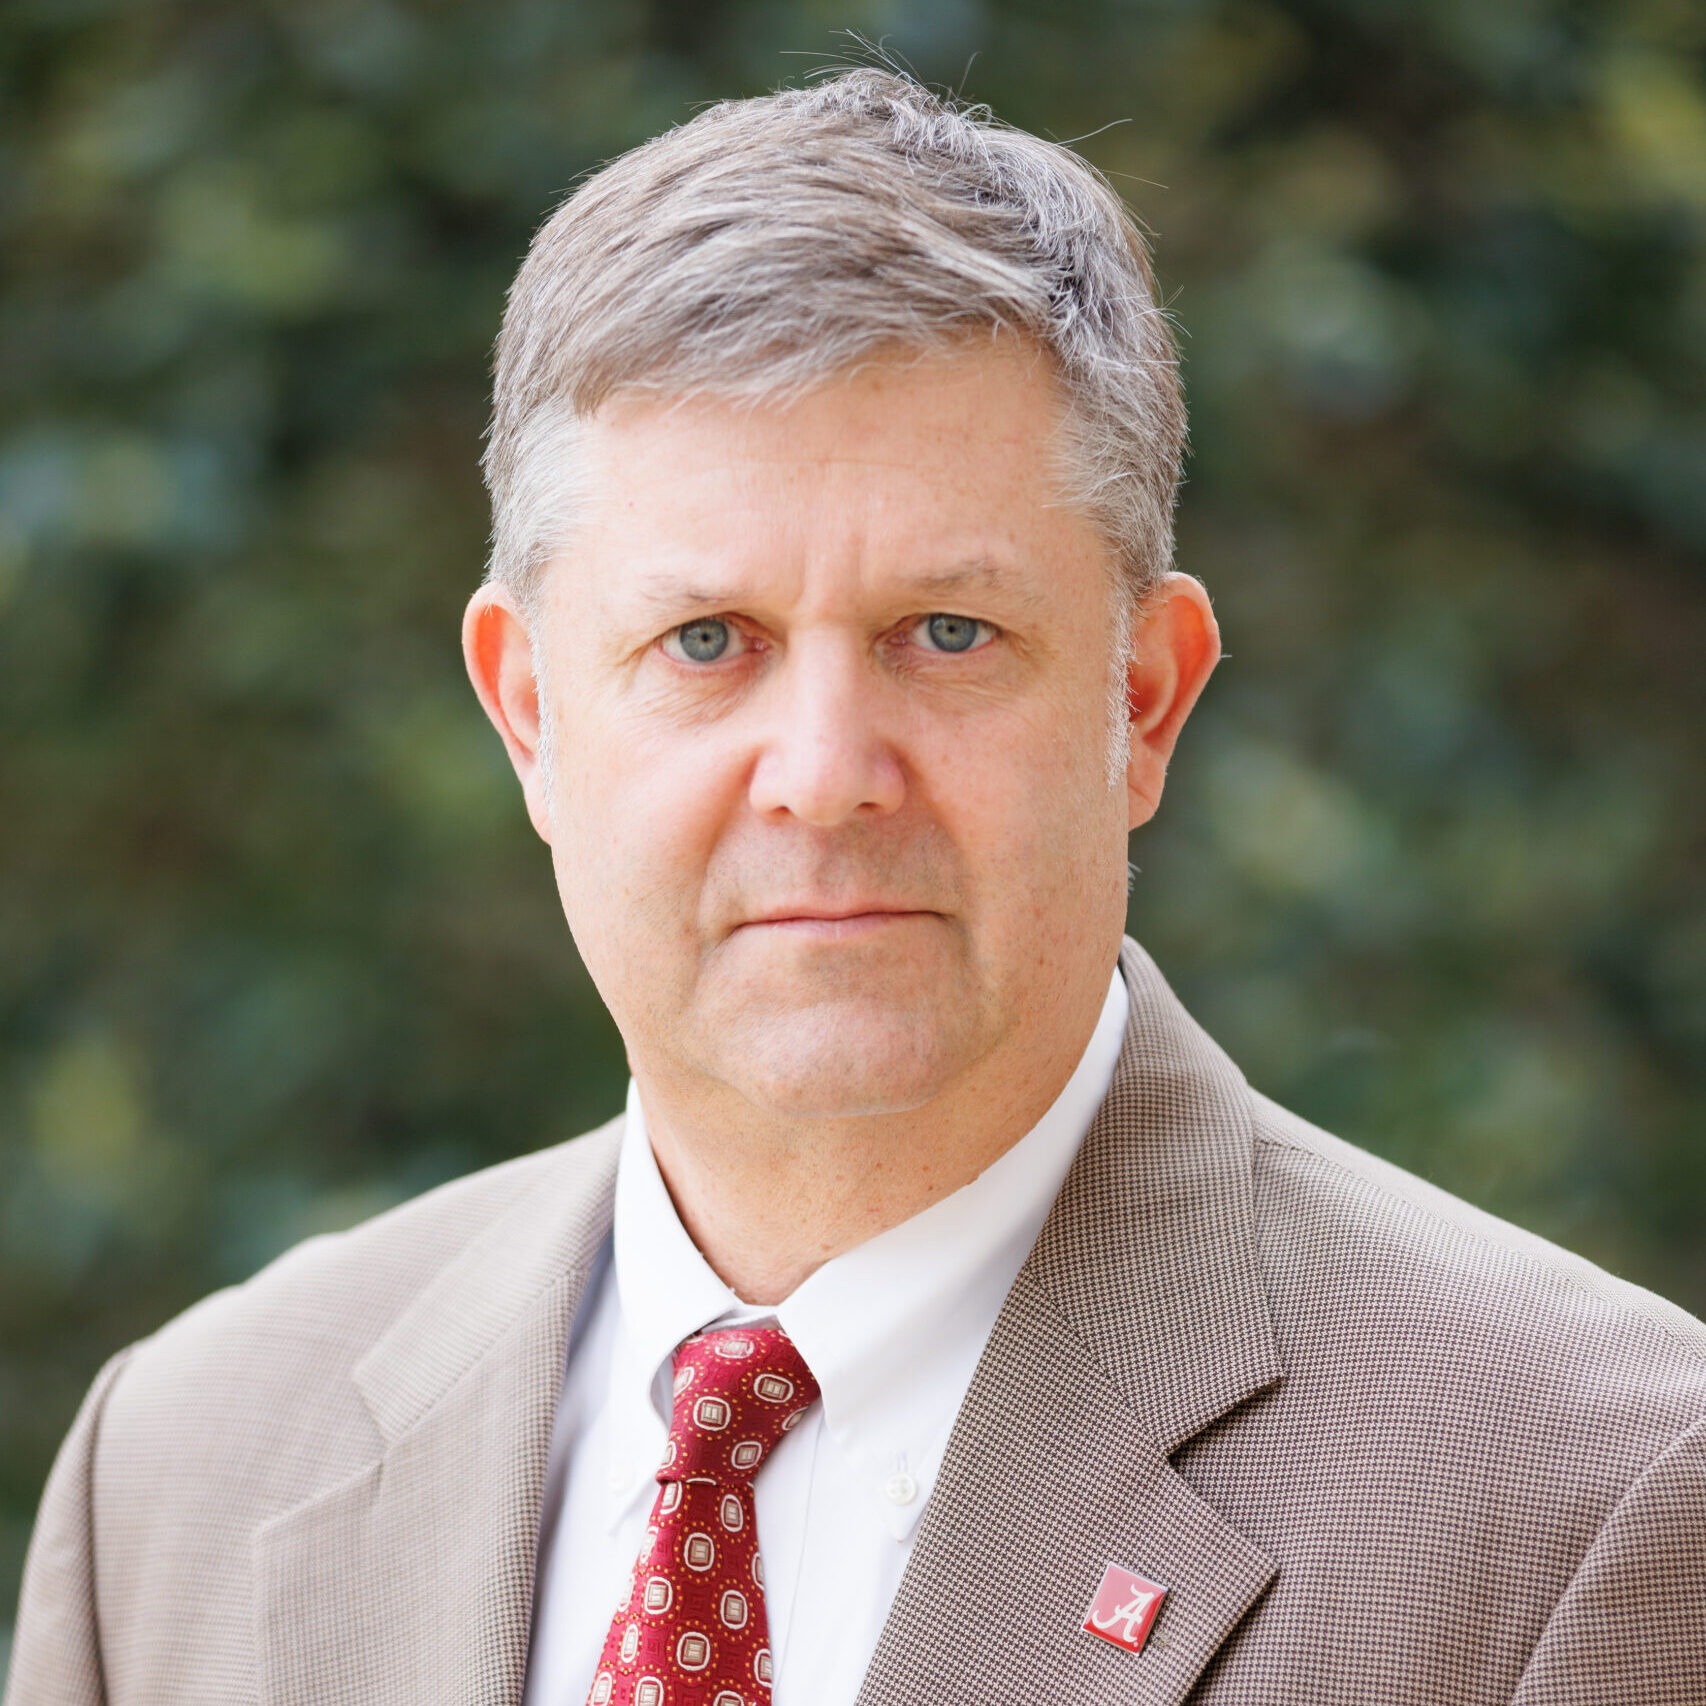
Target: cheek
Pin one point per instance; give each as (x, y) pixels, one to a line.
(640, 815)
(1024, 797)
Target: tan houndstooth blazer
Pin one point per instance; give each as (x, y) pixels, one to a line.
(1379, 1447)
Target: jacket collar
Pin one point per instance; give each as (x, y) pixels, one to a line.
(551, 1236)
(1138, 1319)
(411, 1583)
(1149, 1253)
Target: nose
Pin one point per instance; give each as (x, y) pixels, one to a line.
(826, 757)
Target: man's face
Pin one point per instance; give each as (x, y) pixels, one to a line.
(829, 805)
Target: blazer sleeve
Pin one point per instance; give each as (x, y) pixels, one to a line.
(1631, 1626)
(56, 1650)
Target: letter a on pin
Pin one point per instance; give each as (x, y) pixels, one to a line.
(1124, 1608)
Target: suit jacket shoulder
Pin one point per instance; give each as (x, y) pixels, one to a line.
(1468, 1415)
(1316, 1190)
(280, 1342)
(285, 1395)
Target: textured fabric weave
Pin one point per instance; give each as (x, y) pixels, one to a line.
(692, 1629)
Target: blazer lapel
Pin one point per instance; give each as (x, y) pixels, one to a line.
(1137, 1320)
(413, 1580)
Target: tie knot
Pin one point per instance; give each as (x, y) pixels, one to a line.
(737, 1391)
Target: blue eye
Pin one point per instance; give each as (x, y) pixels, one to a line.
(703, 641)
(953, 633)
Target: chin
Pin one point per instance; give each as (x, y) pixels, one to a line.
(844, 1061)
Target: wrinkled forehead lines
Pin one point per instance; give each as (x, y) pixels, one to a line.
(916, 482)
(967, 416)
(653, 462)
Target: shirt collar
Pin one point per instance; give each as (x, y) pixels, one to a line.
(666, 1289)
(892, 1329)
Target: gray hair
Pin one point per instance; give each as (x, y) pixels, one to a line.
(771, 243)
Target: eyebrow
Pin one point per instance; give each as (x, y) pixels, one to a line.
(982, 574)
(668, 592)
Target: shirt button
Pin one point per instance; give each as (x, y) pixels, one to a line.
(619, 1478)
(900, 1488)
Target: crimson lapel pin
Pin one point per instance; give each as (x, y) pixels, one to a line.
(1124, 1608)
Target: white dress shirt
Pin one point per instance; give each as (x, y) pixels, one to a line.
(892, 1330)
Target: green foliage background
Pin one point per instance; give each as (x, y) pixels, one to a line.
(277, 947)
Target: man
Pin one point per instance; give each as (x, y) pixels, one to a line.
(945, 1319)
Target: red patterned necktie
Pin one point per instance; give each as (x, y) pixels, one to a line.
(692, 1629)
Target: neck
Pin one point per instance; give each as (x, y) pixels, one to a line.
(769, 1199)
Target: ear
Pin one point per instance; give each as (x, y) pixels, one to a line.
(1175, 646)
(499, 655)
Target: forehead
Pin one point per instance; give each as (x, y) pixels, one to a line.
(927, 463)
